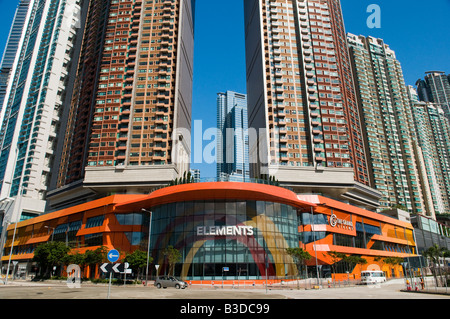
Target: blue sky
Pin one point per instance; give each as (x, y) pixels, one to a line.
(419, 33)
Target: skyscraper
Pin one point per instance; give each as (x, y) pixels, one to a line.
(232, 145)
(128, 128)
(39, 60)
(435, 87)
(432, 128)
(196, 175)
(12, 46)
(301, 99)
(387, 120)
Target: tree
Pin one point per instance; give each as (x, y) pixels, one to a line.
(361, 261)
(138, 260)
(76, 259)
(434, 253)
(173, 257)
(95, 257)
(354, 260)
(393, 261)
(186, 179)
(50, 254)
(446, 254)
(335, 258)
(299, 256)
(269, 179)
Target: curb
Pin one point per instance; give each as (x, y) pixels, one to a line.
(427, 292)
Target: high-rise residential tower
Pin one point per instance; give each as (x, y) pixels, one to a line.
(232, 144)
(301, 99)
(435, 88)
(12, 45)
(432, 128)
(387, 120)
(39, 77)
(128, 128)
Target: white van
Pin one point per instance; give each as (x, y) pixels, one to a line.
(372, 277)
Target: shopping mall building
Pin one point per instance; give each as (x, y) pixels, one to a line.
(242, 228)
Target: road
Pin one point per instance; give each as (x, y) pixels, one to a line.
(28, 290)
(29, 299)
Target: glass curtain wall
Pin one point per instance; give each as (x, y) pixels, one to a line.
(226, 239)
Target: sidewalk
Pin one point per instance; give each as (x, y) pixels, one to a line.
(430, 287)
(433, 291)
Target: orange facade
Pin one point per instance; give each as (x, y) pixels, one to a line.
(33, 232)
(395, 237)
(342, 228)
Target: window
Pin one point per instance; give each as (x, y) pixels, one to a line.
(359, 240)
(309, 237)
(343, 240)
(60, 229)
(374, 230)
(319, 219)
(95, 221)
(134, 238)
(72, 240)
(130, 219)
(93, 239)
(378, 245)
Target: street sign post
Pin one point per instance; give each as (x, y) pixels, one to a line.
(109, 286)
(108, 268)
(126, 265)
(113, 256)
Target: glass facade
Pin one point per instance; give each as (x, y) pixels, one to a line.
(234, 239)
(232, 149)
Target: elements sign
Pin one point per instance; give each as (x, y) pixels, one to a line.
(225, 231)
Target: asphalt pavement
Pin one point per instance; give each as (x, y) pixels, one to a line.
(393, 289)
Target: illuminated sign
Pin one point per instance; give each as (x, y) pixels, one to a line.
(225, 231)
(335, 221)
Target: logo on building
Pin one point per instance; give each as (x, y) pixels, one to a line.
(225, 231)
(335, 221)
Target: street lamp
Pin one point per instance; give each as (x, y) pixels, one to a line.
(315, 247)
(148, 248)
(53, 233)
(19, 208)
(6, 204)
